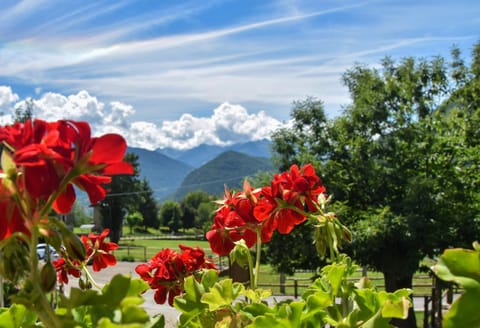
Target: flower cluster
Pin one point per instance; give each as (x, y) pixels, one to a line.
(97, 251)
(167, 270)
(48, 158)
(253, 215)
(41, 162)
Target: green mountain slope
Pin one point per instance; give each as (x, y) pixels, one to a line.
(229, 168)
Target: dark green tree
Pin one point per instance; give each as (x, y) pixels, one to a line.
(134, 219)
(304, 142)
(123, 196)
(148, 206)
(170, 215)
(402, 162)
(24, 112)
(190, 205)
(205, 215)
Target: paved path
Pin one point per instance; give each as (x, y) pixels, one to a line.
(128, 268)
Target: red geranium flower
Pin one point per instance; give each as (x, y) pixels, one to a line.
(167, 270)
(64, 269)
(99, 250)
(49, 152)
(281, 206)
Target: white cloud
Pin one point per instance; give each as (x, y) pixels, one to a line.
(228, 123)
(7, 97)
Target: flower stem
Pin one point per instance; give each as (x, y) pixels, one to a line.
(257, 259)
(42, 306)
(90, 278)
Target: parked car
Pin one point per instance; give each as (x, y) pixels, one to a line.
(42, 252)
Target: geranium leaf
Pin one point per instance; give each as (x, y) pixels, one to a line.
(222, 294)
(464, 311)
(116, 290)
(17, 316)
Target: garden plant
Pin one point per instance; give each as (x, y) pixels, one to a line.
(43, 161)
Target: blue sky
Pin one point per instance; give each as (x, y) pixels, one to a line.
(180, 73)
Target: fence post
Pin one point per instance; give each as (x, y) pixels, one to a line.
(295, 287)
(425, 311)
(282, 283)
(145, 253)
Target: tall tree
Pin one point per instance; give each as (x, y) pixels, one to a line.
(123, 197)
(190, 205)
(402, 161)
(24, 112)
(170, 215)
(304, 142)
(148, 206)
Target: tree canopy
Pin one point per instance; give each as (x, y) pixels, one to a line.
(402, 161)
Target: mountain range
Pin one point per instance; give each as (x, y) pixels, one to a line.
(172, 173)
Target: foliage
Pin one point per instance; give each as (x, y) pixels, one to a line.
(170, 215)
(191, 204)
(41, 162)
(24, 113)
(462, 267)
(79, 215)
(148, 206)
(134, 219)
(123, 196)
(210, 302)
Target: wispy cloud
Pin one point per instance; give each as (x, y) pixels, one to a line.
(167, 59)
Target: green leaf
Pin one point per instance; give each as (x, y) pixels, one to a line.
(257, 295)
(107, 323)
(17, 316)
(209, 278)
(377, 321)
(116, 290)
(461, 266)
(336, 276)
(79, 297)
(464, 311)
(134, 314)
(157, 321)
(191, 300)
(394, 308)
(256, 309)
(137, 287)
(222, 294)
(367, 301)
(288, 315)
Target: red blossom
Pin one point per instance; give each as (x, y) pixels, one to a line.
(280, 206)
(234, 221)
(167, 270)
(98, 250)
(47, 153)
(11, 220)
(64, 269)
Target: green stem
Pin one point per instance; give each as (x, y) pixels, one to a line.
(90, 278)
(42, 306)
(250, 270)
(257, 260)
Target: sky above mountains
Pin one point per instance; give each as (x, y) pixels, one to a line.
(181, 73)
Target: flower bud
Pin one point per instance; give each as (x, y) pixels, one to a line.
(240, 253)
(48, 277)
(74, 246)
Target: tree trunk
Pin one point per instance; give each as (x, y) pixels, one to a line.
(393, 281)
